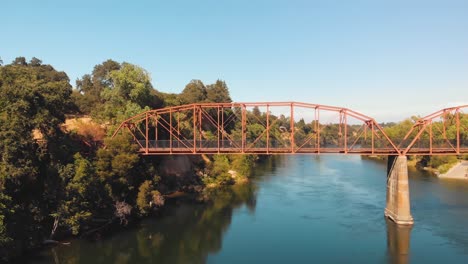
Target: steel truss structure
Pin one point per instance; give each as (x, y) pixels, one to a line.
(440, 133)
(278, 128)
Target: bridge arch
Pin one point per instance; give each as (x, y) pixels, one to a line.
(257, 128)
(444, 132)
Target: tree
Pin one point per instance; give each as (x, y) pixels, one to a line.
(116, 166)
(81, 194)
(20, 61)
(35, 62)
(256, 112)
(148, 197)
(194, 92)
(34, 98)
(5, 239)
(90, 86)
(130, 94)
(218, 92)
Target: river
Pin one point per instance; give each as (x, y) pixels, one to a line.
(297, 209)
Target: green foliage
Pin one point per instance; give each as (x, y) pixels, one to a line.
(442, 163)
(90, 86)
(194, 92)
(81, 194)
(227, 169)
(34, 96)
(218, 171)
(218, 92)
(116, 166)
(243, 164)
(5, 239)
(144, 197)
(131, 93)
(42, 182)
(148, 197)
(34, 99)
(169, 99)
(5, 202)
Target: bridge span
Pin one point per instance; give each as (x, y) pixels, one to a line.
(277, 128)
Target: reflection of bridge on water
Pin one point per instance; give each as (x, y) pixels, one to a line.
(280, 128)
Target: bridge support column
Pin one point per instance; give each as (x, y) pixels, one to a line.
(398, 199)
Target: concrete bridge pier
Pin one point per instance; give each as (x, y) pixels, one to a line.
(398, 199)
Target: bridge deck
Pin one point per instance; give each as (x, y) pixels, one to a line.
(274, 151)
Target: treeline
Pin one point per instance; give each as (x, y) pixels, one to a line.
(51, 183)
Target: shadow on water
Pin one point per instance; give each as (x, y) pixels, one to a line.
(187, 233)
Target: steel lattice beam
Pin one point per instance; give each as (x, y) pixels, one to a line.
(230, 128)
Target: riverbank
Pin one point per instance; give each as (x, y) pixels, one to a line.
(459, 171)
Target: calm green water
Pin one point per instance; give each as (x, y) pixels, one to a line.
(298, 209)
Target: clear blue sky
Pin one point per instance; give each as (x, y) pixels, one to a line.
(387, 59)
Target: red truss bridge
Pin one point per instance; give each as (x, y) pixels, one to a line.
(290, 128)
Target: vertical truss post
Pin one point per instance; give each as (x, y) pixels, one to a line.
(345, 133)
(200, 126)
(222, 126)
(458, 130)
(243, 127)
(156, 132)
(146, 133)
(443, 124)
(194, 117)
(178, 129)
(170, 130)
(219, 131)
(340, 129)
(268, 128)
(317, 118)
(430, 137)
(292, 127)
(373, 131)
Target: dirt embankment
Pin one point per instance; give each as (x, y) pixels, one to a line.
(459, 171)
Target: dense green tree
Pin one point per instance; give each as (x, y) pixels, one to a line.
(116, 166)
(81, 194)
(218, 92)
(90, 86)
(170, 99)
(130, 94)
(34, 99)
(194, 92)
(148, 197)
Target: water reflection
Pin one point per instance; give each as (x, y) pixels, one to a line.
(187, 233)
(306, 210)
(398, 242)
